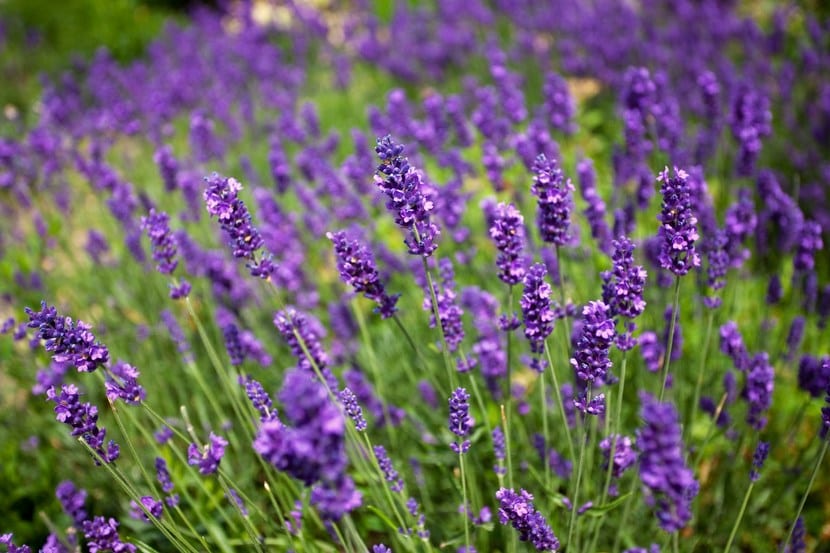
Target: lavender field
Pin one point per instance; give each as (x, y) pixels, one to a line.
(365, 276)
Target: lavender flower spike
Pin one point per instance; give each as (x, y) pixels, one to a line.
(678, 231)
(223, 203)
(518, 510)
(590, 359)
(357, 268)
(69, 342)
(207, 458)
(555, 202)
(536, 311)
(165, 248)
(405, 197)
(460, 420)
(507, 231)
(669, 485)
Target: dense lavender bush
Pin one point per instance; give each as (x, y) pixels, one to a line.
(534, 369)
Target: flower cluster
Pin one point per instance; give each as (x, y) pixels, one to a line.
(83, 418)
(406, 197)
(313, 448)
(223, 202)
(357, 269)
(590, 360)
(389, 472)
(518, 510)
(353, 409)
(668, 484)
(303, 335)
(461, 423)
(207, 457)
(622, 287)
(678, 231)
(536, 310)
(165, 248)
(508, 233)
(555, 202)
(70, 342)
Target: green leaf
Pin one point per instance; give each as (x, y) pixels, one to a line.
(602, 509)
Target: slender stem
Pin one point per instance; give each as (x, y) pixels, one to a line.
(562, 296)
(465, 513)
(544, 398)
(738, 520)
(614, 437)
(508, 397)
(711, 432)
(411, 343)
(699, 383)
(807, 491)
(561, 403)
(670, 339)
(575, 494)
(624, 519)
(445, 351)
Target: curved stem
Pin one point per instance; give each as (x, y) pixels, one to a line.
(561, 403)
(807, 491)
(670, 339)
(699, 383)
(738, 520)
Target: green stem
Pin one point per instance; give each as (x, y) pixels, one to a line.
(738, 520)
(508, 397)
(699, 383)
(561, 403)
(465, 513)
(670, 339)
(445, 351)
(565, 322)
(624, 519)
(575, 494)
(807, 491)
(544, 398)
(614, 435)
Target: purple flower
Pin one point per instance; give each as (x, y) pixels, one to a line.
(207, 457)
(83, 418)
(508, 233)
(814, 375)
(303, 335)
(380, 548)
(758, 390)
(405, 197)
(622, 286)
(518, 510)
(357, 268)
(794, 336)
(353, 410)
(536, 311)
(449, 310)
(389, 472)
(166, 483)
(499, 451)
(624, 454)
(732, 344)
(102, 535)
(154, 507)
(6, 539)
(558, 103)
(590, 360)
(677, 231)
(157, 225)
(750, 120)
(797, 543)
(68, 341)
(758, 459)
(312, 449)
(223, 203)
(122, 383)
(595, 210)
(72, 501)
(460, 420)
(168, 166)
(554, 199)
(668, 484)
(259, 398)
(809, 242)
